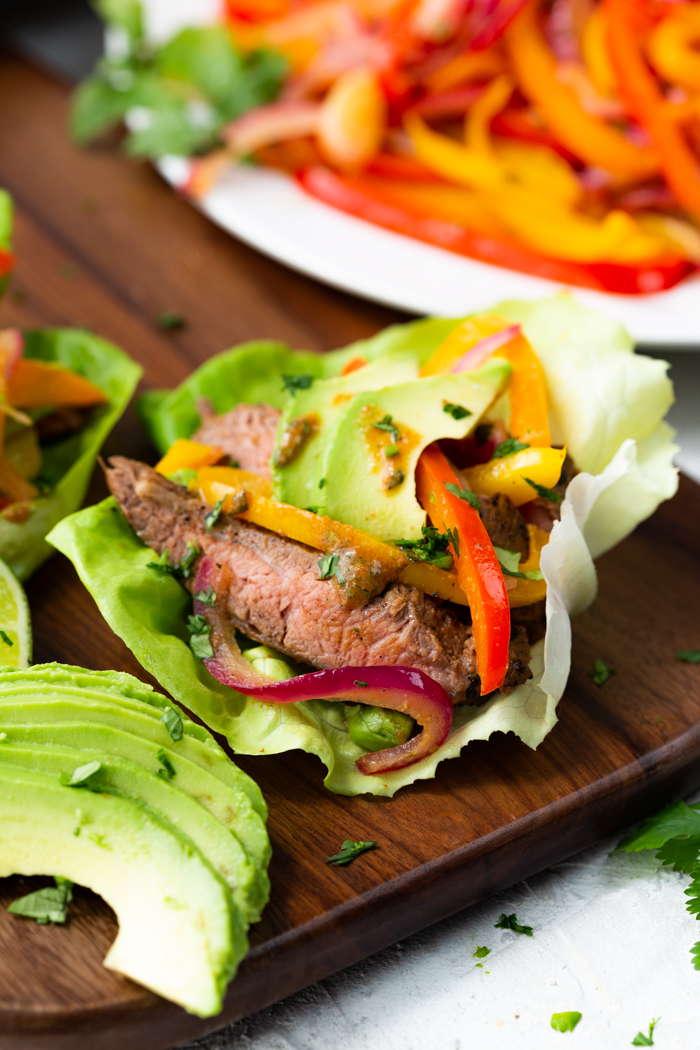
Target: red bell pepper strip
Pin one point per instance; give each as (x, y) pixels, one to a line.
(362, 198)
(7, 261)
(479, 573)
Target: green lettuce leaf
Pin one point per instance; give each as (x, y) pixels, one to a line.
(148, 610)
(68, 462)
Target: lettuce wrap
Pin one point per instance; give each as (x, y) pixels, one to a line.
(607, 405)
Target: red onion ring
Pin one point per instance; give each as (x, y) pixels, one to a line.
(404, 689)
(481, 351)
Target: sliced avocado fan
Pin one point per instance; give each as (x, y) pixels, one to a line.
(164, 826)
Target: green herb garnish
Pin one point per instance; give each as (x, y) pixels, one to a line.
(214, 515)
(508, 448)
(510, 565)
(396, 478)
(466, 494)
(601, 672)
(170, 321)
(646, 1040)
(456, 411)
(453, 536)
(80, 776)
(350, 851)
(481, 953)
(328, 565)
(47, 905)
(389, 426)
(510, 922)
(167, 770)
(299, 382)
(363, 685)
(565, 1022)
(6, 638)
(544, 493)
(199, 630)
(431, 548)
(390, 451)
(173, 723)
(207, 596)
(181, 571)
(689, 656)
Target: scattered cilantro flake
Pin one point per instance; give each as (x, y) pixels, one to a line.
(299, 382)
(207, 596)
(601, 672)
(6, 638)
(173, 723)
(466, 494)
(184, 569)
(47, 905)
(646, 1040)
(689, 656)
(321, 483)
(163, 565)
(544, 493)
(453, 535)
(80, 776)
(508, 448)
(389, 426)
(431, 548)
(214, 515)
(565, 1022)
(390, 451)
(349, 851)
(481, 953)
(363, 685)
(534, 574)
(509, 562)
(328, 565)
(170, 321)
(396, 478)
(456, 411)
(199, 630)
(510, 922)
(167, 770)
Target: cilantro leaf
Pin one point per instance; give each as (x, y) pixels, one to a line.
(695, 952)
(466, 494)
(184, 569)
(328, 565)
(689, 656)
(207, 596)
(80, 776)
(456, 411)
(390, 427)
(677, 823)
(47, 905)
(298, 382)
(544, 493)
(167, 770)
(601, 672)
(170, 321)
(391, 450)
(508, 448)
(481, 953)
(565, 1022)
(6, 638)
(646, 1040)
(453, 535)
(199, 630)
(432, 547)
(349, 851)
(173, 723)
(510, 922)
(213, 516)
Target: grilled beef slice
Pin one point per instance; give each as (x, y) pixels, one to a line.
(247, 434)
(277, 597)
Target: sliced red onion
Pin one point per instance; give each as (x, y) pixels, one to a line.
(403, 689)
(477, 355)
(286, 119)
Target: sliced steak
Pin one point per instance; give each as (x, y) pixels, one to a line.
(277, 597)
(533, 618)
(247, 434)
(504, 523)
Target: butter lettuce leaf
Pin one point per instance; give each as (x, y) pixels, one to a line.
(69, 461)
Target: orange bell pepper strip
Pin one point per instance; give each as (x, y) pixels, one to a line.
(643, 96)
(478, 569)
(188, 455)
(40, 384)
(587, 136)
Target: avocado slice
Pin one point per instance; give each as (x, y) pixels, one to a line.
(324, 403)
(230, 805)
(180, 933)
(357, 488)
(119, 776)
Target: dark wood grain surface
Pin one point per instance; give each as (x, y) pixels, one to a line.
(102, 242)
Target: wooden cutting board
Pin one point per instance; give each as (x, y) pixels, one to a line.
(102, 242)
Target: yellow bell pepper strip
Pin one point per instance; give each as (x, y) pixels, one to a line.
(672, 46)
(479, 116)
(233, 479)
(40, 384)
(643, 96)
(469, 65)
(452, 160)
(527, 592)
(508, 474)
(477, 565)
(188, 455)
(588, 137)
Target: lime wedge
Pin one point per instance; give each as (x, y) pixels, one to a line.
(15, 626)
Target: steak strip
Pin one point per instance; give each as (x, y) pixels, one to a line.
(277, 598)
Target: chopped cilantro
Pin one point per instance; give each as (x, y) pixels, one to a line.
(431, 548)
(601, 672)
(396, 478)
(199, 630)
(6, 638)
(163, 565)
(390, 451)
(689, 656)
(510, 922)
(509, 562)
(299, 382)
(167, 770)
(207, 596)
(349, 851)
(214, 515)
(170, 321)
(481, 953)
(508, 448)
(565, 1022)
(173, 723)
(363, 685)
(47, 905)
(646, 1040)
(453, 535)
(328, 565)
(321, 483)
(466, 494)
(390, 427)
(544, 493)
(80, 776)
(184, 569)
(456, 411)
